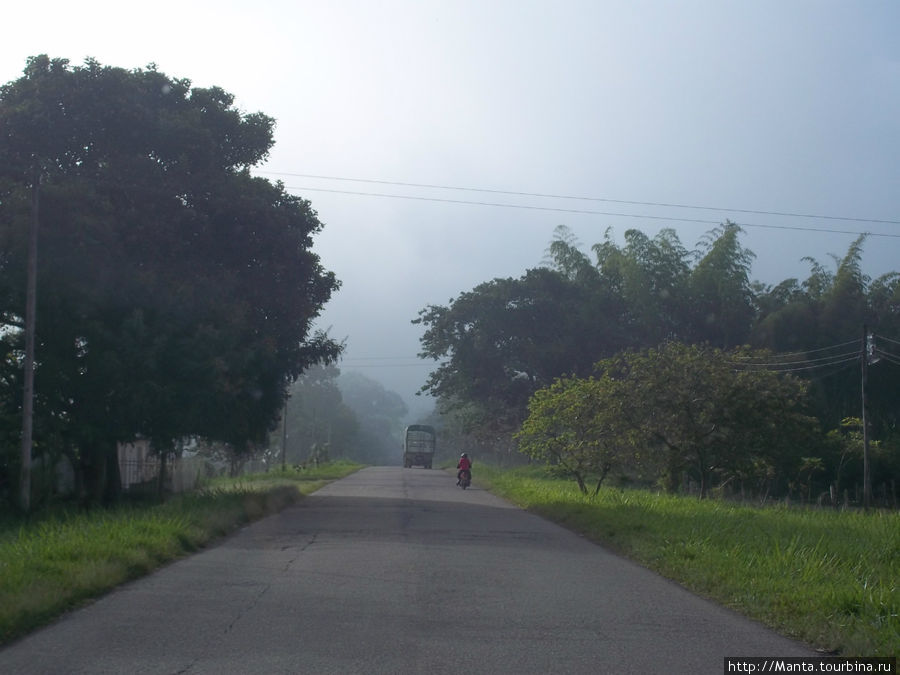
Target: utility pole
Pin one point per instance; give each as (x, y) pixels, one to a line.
(30, 310)
(284, 435)
(867, 478)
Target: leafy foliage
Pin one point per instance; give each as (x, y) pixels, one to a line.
(675, 326)
(575, 427)
(176, 291)
(506, 339)
(721, 297)
(678, 410)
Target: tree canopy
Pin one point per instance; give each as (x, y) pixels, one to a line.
(674, 411)
(575, 426)
(318, 422)
(507, 338)
(176, 291)
(518, 355)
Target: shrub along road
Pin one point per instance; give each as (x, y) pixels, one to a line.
(397, 570)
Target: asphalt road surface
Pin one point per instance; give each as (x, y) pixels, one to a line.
(397, 570)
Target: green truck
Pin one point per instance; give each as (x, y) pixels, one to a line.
(418, 446)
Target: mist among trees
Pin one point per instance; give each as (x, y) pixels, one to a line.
(341, 415)
(654, 363)
(176, 295)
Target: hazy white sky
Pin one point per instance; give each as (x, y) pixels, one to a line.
(763, 105)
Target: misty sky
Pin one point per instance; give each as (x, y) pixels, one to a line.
(788, 106)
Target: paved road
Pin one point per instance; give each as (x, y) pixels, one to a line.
(397, 571)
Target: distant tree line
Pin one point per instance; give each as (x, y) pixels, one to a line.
(338, 415)
(653, 363)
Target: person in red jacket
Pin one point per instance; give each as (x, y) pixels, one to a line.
(464, 464)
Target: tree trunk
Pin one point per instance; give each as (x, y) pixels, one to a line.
(603, 472)
(161, 479)
(93, 466)
(113, 489)
(581, 486)
(704, 482)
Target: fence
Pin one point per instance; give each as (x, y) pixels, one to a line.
(142, 473)
(139, 469)
(884, 495)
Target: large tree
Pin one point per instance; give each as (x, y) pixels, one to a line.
(647, 281)
(721, 296)
(506, 339)
(672, 412)
(575, 427)
(176, 292)
(709, 413)
(821, 320)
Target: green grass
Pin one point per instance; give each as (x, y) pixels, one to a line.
(55, 561)
(829, 578)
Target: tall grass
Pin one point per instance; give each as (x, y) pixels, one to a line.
(54, 561)
(830, 578)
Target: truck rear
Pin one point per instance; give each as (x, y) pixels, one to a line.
(418, 446)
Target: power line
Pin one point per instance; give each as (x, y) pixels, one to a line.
(588, 212)
(895, 361)
(786, 214)
(776, 367)
(822, 349)
(808, 351)
(822, 376)
(809, 362)
(886, 339)
(883, 351)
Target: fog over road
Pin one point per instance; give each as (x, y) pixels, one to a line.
(398, 571)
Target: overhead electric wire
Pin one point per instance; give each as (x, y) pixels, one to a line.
(820, 349)
(882, 355)
(807, 351)
(886, 339)
(429, 186)
(639, 216)
(881, 351)
(775, 367)
(832, 359)
(878, 347)
(821, 376)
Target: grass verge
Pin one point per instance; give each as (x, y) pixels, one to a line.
(53, 562)
(829, 578)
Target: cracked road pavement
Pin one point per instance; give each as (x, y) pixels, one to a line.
(396, 570)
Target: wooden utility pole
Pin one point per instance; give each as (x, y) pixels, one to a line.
(284, 435)
(30, 310)
(867, 478)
